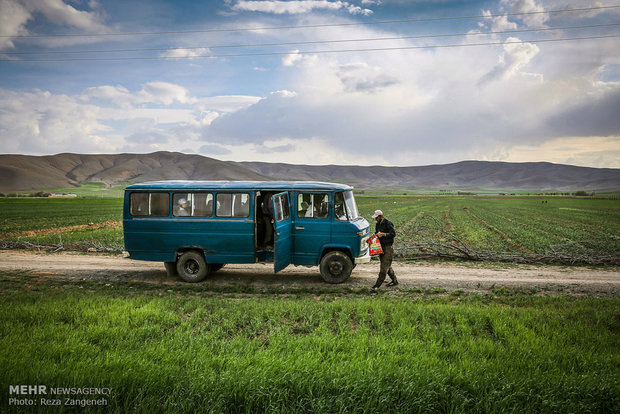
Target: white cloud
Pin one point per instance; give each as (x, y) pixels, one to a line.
(292, 58)
(498, 23)
(13, 18)
(358, 10)
(516, 55)
(152, 92)
(41, 122)
(60, 13)
(297, 6)
(119, 95)
(425, 106)
(16, 14)
(536, 17)
(226, 103)
(109, 118)
(284, 94)
(164, 93)
(604, 152)
(186, 53)
(359, 77)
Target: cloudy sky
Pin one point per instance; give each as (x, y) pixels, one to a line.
(368, 82)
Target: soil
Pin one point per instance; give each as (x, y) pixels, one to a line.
(428, 275)
(55, 230)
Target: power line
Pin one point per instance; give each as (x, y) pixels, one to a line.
(245, 29)
(60, 52)
(321, 51)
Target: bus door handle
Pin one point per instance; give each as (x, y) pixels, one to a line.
(299, 228)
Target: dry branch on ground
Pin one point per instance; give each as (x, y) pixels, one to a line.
(428, 238)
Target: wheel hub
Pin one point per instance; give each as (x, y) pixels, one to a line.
(335, 268)
(192, 267)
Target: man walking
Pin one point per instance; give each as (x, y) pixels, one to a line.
(384, 229)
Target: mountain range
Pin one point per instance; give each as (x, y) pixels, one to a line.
(27, 172)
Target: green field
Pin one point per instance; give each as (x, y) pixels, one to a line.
(174, 349)
(92, 190)
(194, 348)
(520, 225)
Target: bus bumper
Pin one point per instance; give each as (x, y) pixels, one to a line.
(363, 259)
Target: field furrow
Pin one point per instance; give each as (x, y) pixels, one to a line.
(534, 236)
(505, 237)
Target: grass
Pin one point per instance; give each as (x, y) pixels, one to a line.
(27, 214)
(181, 350)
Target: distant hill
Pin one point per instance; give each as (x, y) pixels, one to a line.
(464, 175)
(25, 172)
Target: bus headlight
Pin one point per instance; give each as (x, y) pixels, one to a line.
(363, 243)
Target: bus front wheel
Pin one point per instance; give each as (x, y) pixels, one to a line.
(192, 267)
(336, 267)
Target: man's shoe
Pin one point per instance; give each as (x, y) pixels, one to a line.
(392, 283)
(374, 289)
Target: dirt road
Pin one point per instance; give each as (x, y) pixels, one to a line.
(424, 275)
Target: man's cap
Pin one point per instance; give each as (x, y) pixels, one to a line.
(377, 213)
(182, 201)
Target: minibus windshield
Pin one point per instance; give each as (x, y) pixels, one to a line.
(351, 205)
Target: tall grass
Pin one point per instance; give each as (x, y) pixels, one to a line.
(176, 351)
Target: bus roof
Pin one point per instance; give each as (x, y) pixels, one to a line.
(238, 185)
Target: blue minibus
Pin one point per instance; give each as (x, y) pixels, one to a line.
(196, 227)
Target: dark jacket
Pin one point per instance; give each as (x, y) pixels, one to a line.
(385, 226)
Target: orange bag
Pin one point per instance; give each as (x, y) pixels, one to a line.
(374, 245)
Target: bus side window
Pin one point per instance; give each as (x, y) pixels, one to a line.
(282, 208)
(139, 204)
(160, 204)
(182, 204)
(340, 211)
(149, 204)
(203, 204)
(241, 205)
(224, 205)
(313, 205)
(233, 205)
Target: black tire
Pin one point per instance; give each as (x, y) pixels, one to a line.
(216, 266)
(171, 269)
(336, 267)
(192, 267)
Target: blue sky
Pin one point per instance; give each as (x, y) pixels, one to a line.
(523, 93)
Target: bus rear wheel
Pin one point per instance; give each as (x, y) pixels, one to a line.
(336, 267)
(192, 267)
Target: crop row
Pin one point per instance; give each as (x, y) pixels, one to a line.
(518, 225)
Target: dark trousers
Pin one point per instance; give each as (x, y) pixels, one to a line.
(386, 265)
